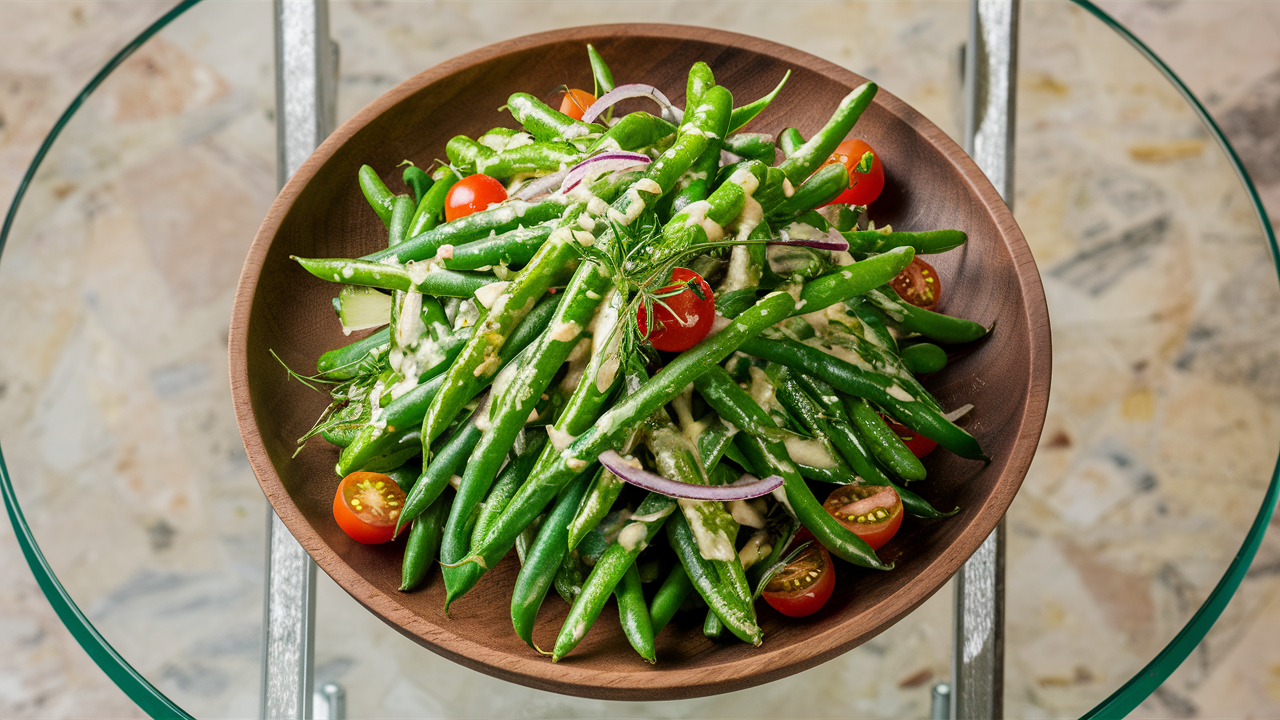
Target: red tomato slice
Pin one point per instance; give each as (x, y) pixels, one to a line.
(367, 506)
(804, 586)
(918, 444)
(575, 102)
(472, 194)
(687, 316)
(872, 512)
(863, 188)
(919, 284)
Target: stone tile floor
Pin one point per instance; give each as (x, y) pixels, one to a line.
(115, 304)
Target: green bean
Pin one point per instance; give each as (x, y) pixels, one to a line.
(376, 192)
(880, 389)
(701, 79)
(528, 158)
(465, 154)
(608, 432)
(604, 490)
(820, 188)
(634, 615)
(544, 123)
(670, 596)
(423, 544)
(402, 448)
(885, 444)
(808, 157)
(620, 556)
(789, 141)
(635, 131)
(343, 363)
(767, 456)
(922, 358)
(515, 247)
(851, 280)
(431, 207)
(874, 324)
(739, 619)
(745, 114)
(935, 326)
(439, 282)
(875, 241)
(600, 71)
(418, 181)
(448, 458)
(542, 561)
(508, 482)
(713, 626)
(752, 146)
(508, 216)
(569, 577)
(477, 478)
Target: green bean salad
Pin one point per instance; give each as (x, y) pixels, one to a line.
(667, 361)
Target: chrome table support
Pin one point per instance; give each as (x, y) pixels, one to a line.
(306, 71)
(991, 66)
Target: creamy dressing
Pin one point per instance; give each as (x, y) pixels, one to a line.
(749, 513)
(895, 390)
(809, 452)
(714, 544)
(486, 295)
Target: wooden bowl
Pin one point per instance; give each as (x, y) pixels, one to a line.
(931, 184)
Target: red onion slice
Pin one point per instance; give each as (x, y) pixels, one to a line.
(834, 241)
(602, 163)
(541, 186)
(633, 90)
(747, 487)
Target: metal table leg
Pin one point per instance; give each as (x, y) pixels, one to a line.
(306, 70)
(977, 683)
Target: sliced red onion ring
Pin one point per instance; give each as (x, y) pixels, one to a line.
(541, 186)
(633, 90)
(834, 241)
(748, 486)
(602, 163)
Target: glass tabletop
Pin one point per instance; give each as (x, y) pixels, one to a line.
(121, 260)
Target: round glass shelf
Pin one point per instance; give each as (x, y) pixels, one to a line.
(1153, 482)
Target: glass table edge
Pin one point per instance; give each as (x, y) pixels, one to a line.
(1120, 703)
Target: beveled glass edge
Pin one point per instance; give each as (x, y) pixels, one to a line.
(1138, 688)
(149, 699)
(1123, 701)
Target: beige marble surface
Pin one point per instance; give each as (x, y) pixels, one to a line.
(1163, 426)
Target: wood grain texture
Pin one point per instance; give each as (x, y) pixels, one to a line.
(930, 184)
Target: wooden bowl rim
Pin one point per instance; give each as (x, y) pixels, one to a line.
(641, 684)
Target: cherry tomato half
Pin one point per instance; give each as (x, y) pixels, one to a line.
(367, 506)
(689, 298)
(804, 586)
(863, 188)
(472, 194)
(919, 284)
(872, 512)
(576, 102)
(918, 444)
